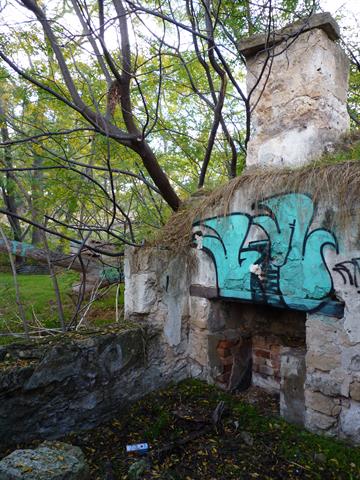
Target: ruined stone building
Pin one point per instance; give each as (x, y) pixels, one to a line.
(271, 294)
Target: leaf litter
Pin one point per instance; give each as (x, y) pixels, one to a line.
(196, 431)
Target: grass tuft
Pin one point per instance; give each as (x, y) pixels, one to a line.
(334, 179)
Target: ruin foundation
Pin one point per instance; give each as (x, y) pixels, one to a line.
(309, 356)
(271, 294)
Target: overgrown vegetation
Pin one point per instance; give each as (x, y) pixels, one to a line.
(251, 442)
(37, 297)
(334, 178)
(112, 113)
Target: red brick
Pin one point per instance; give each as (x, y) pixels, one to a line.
(229, 360)
(275, 347)
(266, 370)
(262, 353)
(223, 378)
(222, 344)
(259, 361)
(258, 341)
(223, 352)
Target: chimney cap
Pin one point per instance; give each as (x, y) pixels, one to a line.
(259, 42)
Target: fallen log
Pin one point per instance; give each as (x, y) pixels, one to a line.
(97, 271)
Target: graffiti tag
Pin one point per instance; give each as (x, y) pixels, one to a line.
(286, 268)
(349, 272)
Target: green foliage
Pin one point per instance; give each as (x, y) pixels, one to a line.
(172, 100)
(161, 423)
(180, 136)
(37, 296)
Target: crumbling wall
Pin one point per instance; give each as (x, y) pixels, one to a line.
(310, 341)
(301, 96)
(75, 382)
(156, 292)
(274, 287)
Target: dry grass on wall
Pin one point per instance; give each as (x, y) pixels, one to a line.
(331, 179)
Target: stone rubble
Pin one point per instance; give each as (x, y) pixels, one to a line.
(49, 461)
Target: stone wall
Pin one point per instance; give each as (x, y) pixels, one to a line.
(266, 362)
(271, 292)
(270, 296)
(292, 391)
(235, 341)
(75, 383)
(332, 378)
(300, 99)
(156, 291)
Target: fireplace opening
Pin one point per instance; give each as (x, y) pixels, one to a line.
(260, 346)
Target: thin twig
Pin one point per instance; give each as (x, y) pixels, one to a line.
(16, 285)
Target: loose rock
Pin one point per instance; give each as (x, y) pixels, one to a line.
(50, 461)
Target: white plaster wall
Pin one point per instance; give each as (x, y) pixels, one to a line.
(156, 294)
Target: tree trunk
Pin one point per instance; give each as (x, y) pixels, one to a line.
(8, 188)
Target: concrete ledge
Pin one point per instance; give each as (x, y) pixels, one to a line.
(260, 42)
(204, 292)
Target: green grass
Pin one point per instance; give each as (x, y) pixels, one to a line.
(38, 299)
(346, 152)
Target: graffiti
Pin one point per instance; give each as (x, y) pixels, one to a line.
(21, 249)
(272, 257)
(349, 271)
(112, 274)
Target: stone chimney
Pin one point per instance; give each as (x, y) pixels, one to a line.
(299, 103)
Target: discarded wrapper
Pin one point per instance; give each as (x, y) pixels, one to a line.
(137, 447)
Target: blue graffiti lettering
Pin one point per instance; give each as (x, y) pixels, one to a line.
(286, 268)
